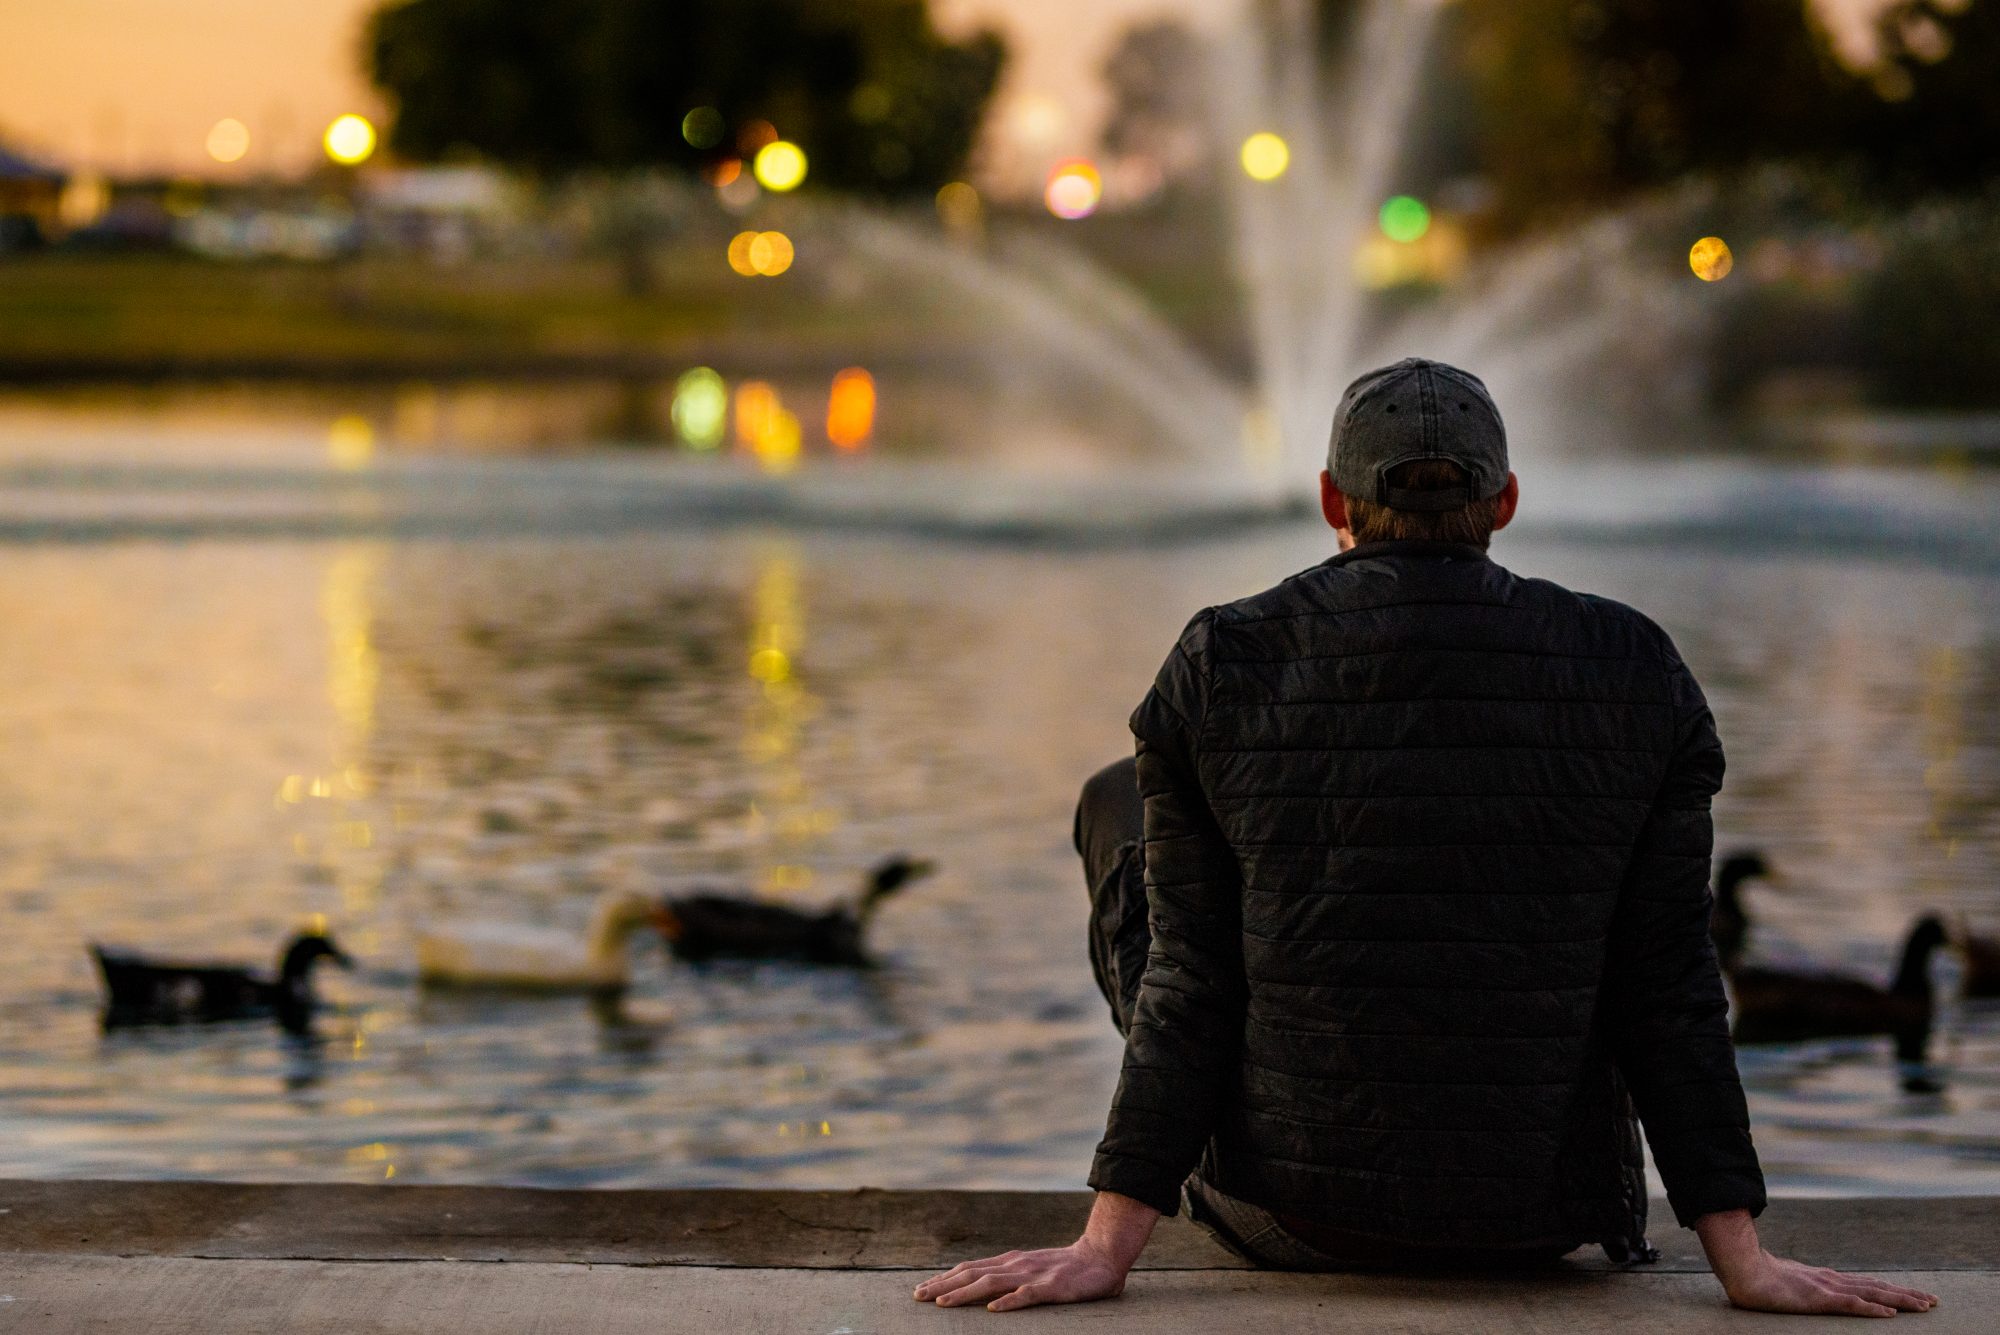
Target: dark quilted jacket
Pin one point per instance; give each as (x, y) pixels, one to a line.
(1427, 852)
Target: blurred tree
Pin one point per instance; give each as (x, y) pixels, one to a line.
(1581, 101)
(881, 103)
(1939, 77)
(1159, 80)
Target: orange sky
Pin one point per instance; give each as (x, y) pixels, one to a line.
(132, 84)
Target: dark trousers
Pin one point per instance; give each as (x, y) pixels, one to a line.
(1110, 837)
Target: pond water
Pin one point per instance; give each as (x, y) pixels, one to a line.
(246, 686)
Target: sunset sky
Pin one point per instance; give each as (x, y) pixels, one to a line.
(136, 84)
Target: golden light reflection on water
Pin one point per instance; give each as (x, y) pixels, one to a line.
(783, 816)
(354, 682)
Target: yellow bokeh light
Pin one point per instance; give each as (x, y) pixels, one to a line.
(85, 197)
(1711, 259)
(1266, 156)
(770, 665)
(771, 253)
(850, 409)
(959, 205)
(779, 166)
(350, 139)
(761, 253)
(1075, 189)
(228, 140)
(350, 442)
(766, 428)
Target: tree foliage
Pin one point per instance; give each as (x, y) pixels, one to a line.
(1939, 126)
(880, 101)
(1581, 101)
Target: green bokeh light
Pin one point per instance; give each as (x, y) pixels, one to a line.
(701, 408)
(1405, 219)
(702, 127)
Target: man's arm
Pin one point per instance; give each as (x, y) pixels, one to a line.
(1756, 1280)
(1183, 1044)
(1187, 1025)
(1668, 1026)
(1092, 1267)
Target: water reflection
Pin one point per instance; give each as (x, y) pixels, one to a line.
(211, 740)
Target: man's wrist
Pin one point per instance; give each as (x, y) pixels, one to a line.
(1729, 1237)
(1118, 1229)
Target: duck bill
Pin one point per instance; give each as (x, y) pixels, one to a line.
(666, 922)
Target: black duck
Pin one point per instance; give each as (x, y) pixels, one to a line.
(1781, 1006)
(143, 990)
(710, 926)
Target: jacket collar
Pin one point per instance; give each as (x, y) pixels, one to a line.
(1414, 549)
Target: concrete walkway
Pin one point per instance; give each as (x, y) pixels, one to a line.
(215, 1259)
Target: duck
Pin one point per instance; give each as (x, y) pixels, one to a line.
(146, 990)
(1728, 921)
(1981, 957)
(479, 953)
(1782, 1006)
(709, 925)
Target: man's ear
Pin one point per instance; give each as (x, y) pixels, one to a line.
(1510, 498)
(1332, 503)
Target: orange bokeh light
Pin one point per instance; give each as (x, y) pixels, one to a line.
(850, 411)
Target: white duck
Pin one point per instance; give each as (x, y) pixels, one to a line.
(479, 953)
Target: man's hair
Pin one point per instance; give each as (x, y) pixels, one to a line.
(1370, 521)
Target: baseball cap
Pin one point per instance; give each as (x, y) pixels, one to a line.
(1417, 409)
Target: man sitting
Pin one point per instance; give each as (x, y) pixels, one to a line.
(1403, 911)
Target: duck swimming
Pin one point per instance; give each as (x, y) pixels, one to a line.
(143, 990)
(1728, 922)
(528, 957)
(1780, 1006)
(714, 926)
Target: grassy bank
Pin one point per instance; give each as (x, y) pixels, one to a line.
(108, 316)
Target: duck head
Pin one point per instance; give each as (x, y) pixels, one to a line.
(1913, 977)
(307, 949)
(897, 872)
(1738, 867)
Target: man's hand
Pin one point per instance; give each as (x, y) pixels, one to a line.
(1073, 1274)
(1092, 1267)
(1760, 1282)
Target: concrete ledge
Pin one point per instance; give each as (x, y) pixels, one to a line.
(811, 1230)
(201, 1258)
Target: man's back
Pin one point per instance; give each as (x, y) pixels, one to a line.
(1428, 845)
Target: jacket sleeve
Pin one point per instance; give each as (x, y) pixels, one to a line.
(1668, 1021)
(1181, 1049)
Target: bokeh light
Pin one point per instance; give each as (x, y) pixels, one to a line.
(700, 410)
(703, 127)
(754, 135)
(350, 442)
(780, 166)
(350, 139)
(1711, 259)
(765, 254)
(766, 428)
(771, 253)
(84, 199)
(1405, 219)
(959, 205)
(1266, 156)
(850, 409)
(1075, 189)
(228, 140)
(723, 173)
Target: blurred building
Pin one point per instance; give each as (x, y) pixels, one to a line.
(30, 200)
